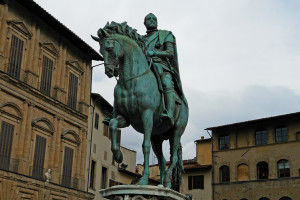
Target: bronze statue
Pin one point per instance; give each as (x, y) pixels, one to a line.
(147, 72)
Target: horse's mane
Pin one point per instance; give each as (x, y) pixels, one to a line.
(124, 29)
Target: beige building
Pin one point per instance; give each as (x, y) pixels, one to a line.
(45, 80)
(103, 171)
(196, 179)
(257, 159)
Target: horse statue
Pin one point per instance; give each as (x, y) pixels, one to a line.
(138, 101)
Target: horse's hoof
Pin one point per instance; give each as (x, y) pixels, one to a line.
(118, 156)
(143, 180)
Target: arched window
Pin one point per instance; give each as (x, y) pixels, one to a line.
(283, 168)
(264, 198)
(285, 198)
(243, 172)
(224, 174)
(262, 170)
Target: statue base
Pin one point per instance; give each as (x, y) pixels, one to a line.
(137, 192)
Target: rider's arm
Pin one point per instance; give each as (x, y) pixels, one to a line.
(167, 52)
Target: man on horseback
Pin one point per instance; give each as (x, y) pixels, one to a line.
(161, 53)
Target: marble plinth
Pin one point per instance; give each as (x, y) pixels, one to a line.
(136, 192)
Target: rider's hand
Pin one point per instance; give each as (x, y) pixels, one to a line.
(150, 53)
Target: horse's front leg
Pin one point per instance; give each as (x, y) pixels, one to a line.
(114, 124)
(147, 120)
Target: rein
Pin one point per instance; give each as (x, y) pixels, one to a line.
(137, 76)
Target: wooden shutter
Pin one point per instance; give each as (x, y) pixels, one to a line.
(119, 136)
(190, 182)
(96, 120)
(67, 167)
(73, 86)
(15, 59)
(46, 75)
(6, 137)
(39, 157)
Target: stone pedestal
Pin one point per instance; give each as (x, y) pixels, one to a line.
(136, 192)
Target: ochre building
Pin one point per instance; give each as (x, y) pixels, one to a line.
(45, 80)
(257, 159)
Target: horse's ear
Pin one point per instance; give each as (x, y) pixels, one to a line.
(95, 38)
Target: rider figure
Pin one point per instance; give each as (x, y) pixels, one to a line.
(161, 50)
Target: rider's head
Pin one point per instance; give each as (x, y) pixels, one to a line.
(150, 22)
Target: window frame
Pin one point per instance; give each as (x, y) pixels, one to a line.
(265, 134)
(221, 174)
(259, 166)
(287, 171)
(281, 134)
(193, 184)
(223, 146)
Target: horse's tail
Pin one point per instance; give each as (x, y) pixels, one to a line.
(178, 170)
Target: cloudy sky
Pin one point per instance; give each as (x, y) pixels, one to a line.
(239, 59)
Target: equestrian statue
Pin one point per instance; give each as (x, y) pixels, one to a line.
(148, 94)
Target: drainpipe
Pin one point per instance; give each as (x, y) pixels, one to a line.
(92, 126)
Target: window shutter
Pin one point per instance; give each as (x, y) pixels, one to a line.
(15, 59)
(96, 120)
(119, 136)
(46, 75)
(67, 167)
(73, 86)
(39, 157)
(6, 138)
(190, 183)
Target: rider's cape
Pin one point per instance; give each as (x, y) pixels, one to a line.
(167, 36)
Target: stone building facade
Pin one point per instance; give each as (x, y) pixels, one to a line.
(257, 159)
(45, 81)
(103, 171)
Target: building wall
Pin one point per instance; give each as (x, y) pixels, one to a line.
(198, 194)
(33, 113)
(102, 155)
(204, 152)
(244, 151)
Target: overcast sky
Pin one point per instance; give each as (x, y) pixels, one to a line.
(238, 59)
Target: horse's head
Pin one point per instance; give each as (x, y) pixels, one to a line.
(111, 51)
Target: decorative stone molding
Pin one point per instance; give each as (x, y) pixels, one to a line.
(136, 192)
(12, 110)
(43, 124)
(59, 94)
(75, 66)
(31, 78)
(21, 27)
(71, 136)
(50, 47)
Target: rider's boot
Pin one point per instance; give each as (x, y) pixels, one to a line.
(168, 114)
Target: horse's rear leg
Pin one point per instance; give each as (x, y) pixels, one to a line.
(147, 120)
(157, 148)
(114, 124)
(174, 146)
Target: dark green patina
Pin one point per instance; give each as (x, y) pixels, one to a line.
(148, 95)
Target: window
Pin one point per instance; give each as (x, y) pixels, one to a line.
(298, 136)
(39, 157)
(92, 175)
(196, 182)
(243, 172)
(67, 167)
(46, 75)
(104, 178)
(264, 198)
(6, 137)
(262, 170)
(73, 86)
(281, 134)
(15, 59)
(283, 168)
(224, 174)
(96, 120)
(224, 142)
(106, 130)
(261, 137)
